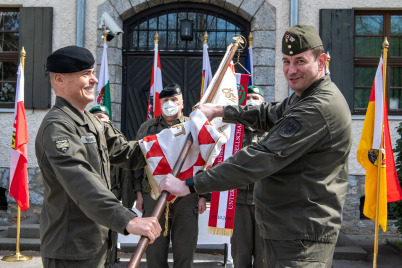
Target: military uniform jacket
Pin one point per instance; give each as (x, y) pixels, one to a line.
(245, 193)
(73, 150)
(151, 127)
(300, 167)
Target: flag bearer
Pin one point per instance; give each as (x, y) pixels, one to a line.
(300, 168)
(183, 213)
(74, 150)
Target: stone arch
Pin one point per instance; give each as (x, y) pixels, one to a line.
(260, 13)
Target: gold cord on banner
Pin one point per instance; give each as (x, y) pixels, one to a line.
(166, 219)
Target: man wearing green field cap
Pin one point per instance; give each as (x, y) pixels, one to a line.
(300, 168)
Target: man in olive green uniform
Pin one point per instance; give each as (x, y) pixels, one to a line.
(300, 168)
(74, 150)
(247, 244)
(183, 213)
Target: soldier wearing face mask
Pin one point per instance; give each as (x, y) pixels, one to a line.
(183, 214)
(247, 244)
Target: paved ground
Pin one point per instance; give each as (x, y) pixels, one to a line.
(387, 257)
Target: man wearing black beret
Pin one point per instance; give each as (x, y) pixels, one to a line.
(300, 168)
(74, 150)
(182, 221)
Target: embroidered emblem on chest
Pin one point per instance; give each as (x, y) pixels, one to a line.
(289, 128)
(62, 145)
(88, 139)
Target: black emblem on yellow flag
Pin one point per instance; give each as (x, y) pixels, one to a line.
(289, 128)
(373, 157)
(62, 145)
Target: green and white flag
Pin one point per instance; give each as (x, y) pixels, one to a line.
(103, 90)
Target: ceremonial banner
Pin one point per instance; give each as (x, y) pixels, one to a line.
(154, 105)
(103, 89)
(367, 153)
(250, 65)
(161, 150)
(19, 156)
(206, 70)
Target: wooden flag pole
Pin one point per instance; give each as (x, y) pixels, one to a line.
(18, 257)
(385, 46)
(163, 198)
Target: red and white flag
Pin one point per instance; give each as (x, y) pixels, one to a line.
(19, 156)
(154, 105)
(206, 70)
(161, 150)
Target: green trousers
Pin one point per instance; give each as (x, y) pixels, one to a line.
(247, 244)
(182, 231)
(298, 254)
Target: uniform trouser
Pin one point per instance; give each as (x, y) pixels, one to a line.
(298, 253)
(99, 262)
(182, 230)
(246, 240)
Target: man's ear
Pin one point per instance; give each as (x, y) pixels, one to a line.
(322, 60)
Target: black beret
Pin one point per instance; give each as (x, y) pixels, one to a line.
(70, 59)
(100, 109)
(255, 90)
(170, 91)
(300, 38)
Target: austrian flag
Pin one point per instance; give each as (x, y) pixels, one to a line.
(161, 154)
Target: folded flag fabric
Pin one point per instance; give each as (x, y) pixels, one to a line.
(161, 150)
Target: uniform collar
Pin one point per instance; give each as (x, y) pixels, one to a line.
(81, 118)
(162, 121)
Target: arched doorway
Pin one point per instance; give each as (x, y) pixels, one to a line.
(181, 60)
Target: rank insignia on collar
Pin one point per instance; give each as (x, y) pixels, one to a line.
(62, 145)
(289, 128)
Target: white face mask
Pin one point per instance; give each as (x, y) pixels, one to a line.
(170, 108)
(253, 102)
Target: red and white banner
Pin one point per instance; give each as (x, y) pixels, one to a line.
(154, 105)
(19, 155)
(222, 212)
(161, 150)
(206, 70)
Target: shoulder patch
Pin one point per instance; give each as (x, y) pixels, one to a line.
(289, 128)
(62, 144)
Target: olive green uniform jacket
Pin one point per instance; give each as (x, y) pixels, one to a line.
(300, 167)
(74, 151)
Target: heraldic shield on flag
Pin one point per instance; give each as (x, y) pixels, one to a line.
(161, 150)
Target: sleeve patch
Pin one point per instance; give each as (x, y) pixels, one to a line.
(62, 144)
(289, 128)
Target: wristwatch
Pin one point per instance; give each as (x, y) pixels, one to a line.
(190, 185)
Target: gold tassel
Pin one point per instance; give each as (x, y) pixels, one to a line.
(166, 220)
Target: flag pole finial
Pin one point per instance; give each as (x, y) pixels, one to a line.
(250, 40)
(385, 44)
(104, 35)
(205, 38)
(327, 63)
(156, 38)
(23, 54)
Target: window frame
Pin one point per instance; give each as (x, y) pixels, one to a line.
(373, 61)
(9, 56)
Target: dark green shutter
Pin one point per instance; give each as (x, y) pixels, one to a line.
(36, 38)
(337, 33)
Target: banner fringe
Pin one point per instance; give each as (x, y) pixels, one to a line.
(220, 231)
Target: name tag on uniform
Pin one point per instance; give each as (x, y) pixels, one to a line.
(88, 139)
